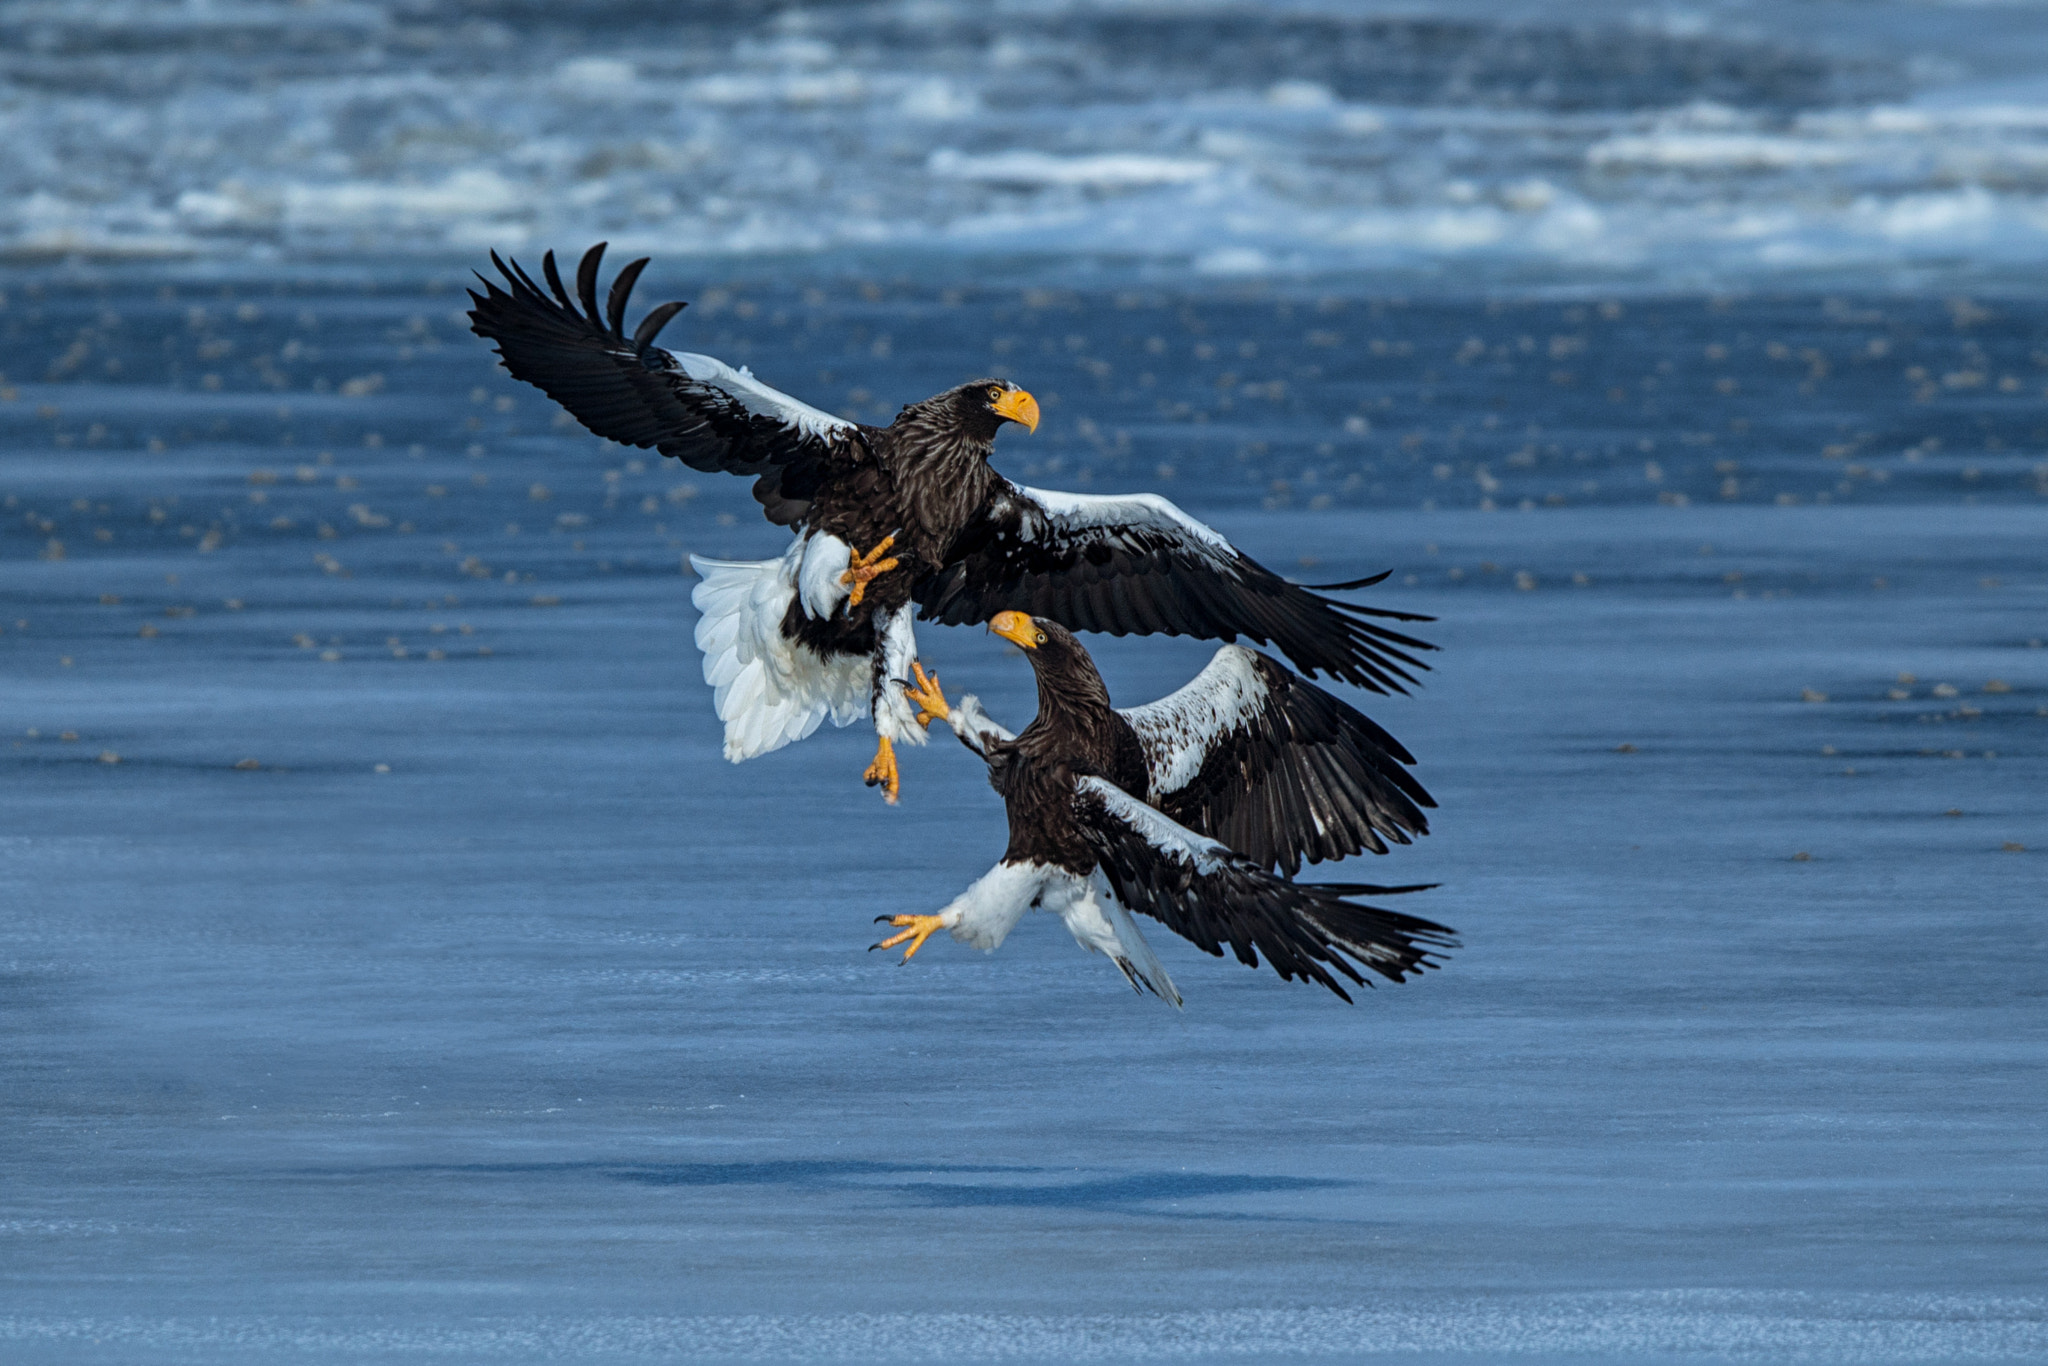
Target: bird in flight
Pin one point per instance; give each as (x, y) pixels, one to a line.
(896, 523)
(1179, 810)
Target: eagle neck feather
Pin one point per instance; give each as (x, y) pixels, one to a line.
(1073, 707)
(942, 477)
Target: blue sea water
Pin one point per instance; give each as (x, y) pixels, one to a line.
(391, 968)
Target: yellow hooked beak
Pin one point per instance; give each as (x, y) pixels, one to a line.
(1018, 406)
(1017, 627)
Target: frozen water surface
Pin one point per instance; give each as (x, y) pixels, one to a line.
(558, 1040)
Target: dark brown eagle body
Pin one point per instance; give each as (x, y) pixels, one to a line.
(1076, 734)
(918, 480)
(921, 479)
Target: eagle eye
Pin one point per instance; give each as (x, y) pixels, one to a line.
(994, 394)
(1040, 635)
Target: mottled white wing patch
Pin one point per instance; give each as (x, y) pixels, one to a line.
(1082, 516)
(1179, 730)
(756, 397)
(1168, 838)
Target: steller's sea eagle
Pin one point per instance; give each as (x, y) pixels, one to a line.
(1247, 753)
(1178, 810)
(895, 521)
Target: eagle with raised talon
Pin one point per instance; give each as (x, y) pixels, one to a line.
(1179, 810)
(908, 520)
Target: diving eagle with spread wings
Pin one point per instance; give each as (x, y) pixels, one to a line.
(1178, 810)
(895, 522)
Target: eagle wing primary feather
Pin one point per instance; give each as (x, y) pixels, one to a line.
(1276, 768)
(702, 411)
(1134, 564)
(1211, 896)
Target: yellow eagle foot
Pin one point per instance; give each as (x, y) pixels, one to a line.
(882, 772)
(918, 928)
(931, 702)
(866, 568)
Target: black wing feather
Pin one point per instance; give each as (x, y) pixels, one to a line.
(626, 389)
(1137, 566)
(622, 289)
(1212, 897)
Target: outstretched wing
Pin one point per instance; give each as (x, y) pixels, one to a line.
(1274, 767)
(624, 388)
(1134, 564)
(1211, 897)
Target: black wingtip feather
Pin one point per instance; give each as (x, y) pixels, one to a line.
(651, 325)
(621, 291)
(1375, 889)
(1345, 587)
(586, 282)
(554, 279)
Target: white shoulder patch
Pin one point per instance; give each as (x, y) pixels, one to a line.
(1170, 838)
(1178, 731)
(757, 397)
(1115, 511)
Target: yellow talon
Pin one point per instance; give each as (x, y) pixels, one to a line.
(882, 772)
(930, 701)
(865, 569)
(920, 928)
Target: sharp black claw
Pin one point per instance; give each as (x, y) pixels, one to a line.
(883, 919)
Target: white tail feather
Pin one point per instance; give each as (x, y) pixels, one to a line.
(1138, 961)
(1098, 923)
(768, 689)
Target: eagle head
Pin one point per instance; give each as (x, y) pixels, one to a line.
(986, 404)
(1047, 641)
(1065, 671)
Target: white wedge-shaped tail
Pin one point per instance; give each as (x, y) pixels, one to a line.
(770, 691)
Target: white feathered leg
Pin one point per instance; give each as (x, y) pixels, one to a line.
(981, 916)
(895, 714)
